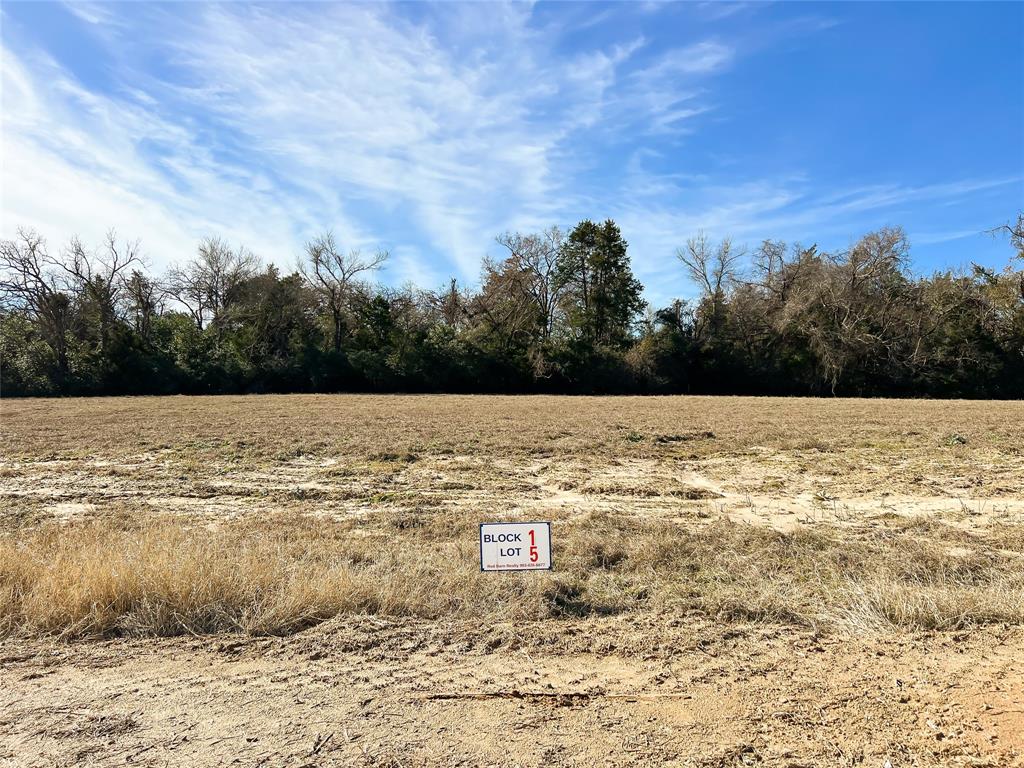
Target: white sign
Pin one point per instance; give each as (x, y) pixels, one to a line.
(515, 546)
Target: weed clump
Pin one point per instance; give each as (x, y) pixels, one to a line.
(163, 577)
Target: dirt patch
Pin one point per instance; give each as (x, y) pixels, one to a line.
(739, 582)
(407, 693)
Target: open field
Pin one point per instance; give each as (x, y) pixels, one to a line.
(289, 580)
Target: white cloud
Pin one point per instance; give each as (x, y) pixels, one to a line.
(76, 163)
(669, 209)
(91, 13)
(699, 58)
(932, 238)
(281, 120)
(425, 133)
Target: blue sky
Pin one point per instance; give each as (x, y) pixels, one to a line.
(428, 129)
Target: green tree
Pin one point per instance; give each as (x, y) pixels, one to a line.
(600, 296)
(272, 324)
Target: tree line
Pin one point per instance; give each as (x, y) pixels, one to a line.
(557, 312)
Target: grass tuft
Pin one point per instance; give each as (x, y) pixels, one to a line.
(162, 577)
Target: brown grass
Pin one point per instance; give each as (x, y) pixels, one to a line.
(283, 427)
(163, 577)
(177, 515)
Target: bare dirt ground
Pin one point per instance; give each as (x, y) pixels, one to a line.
(409, 693)
(738, 581)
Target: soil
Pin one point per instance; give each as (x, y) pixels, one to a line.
(646, 689)
(578, 692)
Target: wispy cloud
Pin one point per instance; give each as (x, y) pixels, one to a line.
(700, 58)
(278, 120)
(316, 115)
(424, 129)
(723, 10)
(932, 238)
(666, 213)
(92, 13)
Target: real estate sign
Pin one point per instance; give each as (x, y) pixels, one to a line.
(515, 546)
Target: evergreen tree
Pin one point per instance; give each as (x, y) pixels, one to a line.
(600, 295)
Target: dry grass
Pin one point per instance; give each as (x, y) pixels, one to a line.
(282, 427)
(268, 514)
(163, 577)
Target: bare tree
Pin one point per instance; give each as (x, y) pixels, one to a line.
(1015, 231)
(145, 300)
(99, 280)
(856, 314)
(185, 285)
(769, 264)
(451, 305)
(713, 269)
(519, 301)
(534, 258)
(55, 291)
(204, 286)
(332, 273)
(29, 282)
(505, 306)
